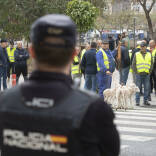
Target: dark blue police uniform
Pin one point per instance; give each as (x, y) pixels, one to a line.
(48, 116)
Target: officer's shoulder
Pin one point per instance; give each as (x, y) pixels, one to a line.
(10, 94)
(97, 104)
(86, 93)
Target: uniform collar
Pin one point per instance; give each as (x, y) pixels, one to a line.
(50, 76)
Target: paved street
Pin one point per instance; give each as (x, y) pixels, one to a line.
(137, 127)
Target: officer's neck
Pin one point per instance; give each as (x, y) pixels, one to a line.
(45, 68)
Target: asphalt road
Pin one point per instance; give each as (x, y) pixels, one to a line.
(137, 127)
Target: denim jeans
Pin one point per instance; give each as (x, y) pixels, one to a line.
(3, 74)
(104, 82)
(124, 75)
(145, 81)
(90, 82)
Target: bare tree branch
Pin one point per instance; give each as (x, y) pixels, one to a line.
(149, 10)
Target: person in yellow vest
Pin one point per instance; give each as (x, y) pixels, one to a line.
(11, 66)
(75, 68)
(105, 69)
(142, 66)
(152, 45)
(99, 45)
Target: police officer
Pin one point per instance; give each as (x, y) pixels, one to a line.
(46, 115)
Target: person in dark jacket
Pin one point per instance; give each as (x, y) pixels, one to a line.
(21, 56)
(111, 43)
(48, 115)
(88, 64)
(125, 62)
(3, 63)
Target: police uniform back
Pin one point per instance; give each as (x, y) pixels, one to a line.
(48, 115)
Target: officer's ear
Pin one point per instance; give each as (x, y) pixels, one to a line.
(32, 51)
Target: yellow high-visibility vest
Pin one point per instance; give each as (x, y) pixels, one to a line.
(11, 54)
(130, 56)
(105, 59)
(82, 53)
(75, 69)
(143, 64)
(154, 54)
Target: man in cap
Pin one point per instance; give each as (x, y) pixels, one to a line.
(142, 66)
(3, 63)
(105, 67)
(47, 115)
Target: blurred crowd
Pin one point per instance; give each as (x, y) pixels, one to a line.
(13, 60)
(97, 61)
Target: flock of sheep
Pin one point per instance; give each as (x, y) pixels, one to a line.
(121, 97)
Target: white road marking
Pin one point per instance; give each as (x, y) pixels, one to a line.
(128, 122)
(136, 130)
(136, 138)
(124, 146)
(137, 113)
(135, 117)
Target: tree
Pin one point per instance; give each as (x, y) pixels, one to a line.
(101, 4)
(83, 13)
(17, 15)
(147, 11)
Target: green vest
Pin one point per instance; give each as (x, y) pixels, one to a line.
(11, 54)
(76, 68)
(143, 64)
(105, 59)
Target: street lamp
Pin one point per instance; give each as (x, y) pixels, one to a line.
(134, 21)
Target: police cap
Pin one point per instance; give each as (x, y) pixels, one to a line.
(54, 30)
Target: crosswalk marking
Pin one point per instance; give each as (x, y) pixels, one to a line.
(137, 113)
(124, 146)
(136, 138)
(137, 130)
(128, 122)
(136, 117)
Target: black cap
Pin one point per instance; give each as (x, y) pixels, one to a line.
(105, 42)
(143, 44)
(3, 40)
(59, 29)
